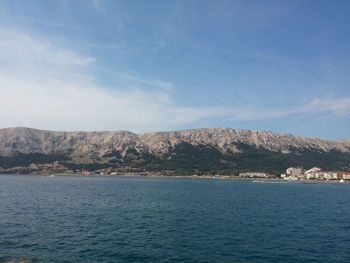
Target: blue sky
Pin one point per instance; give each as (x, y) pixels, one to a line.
(150, 66)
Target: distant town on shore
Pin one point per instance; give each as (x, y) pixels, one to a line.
(224, 152)
(299, 173)
(291, 174)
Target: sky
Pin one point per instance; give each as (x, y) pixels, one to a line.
(144, 66)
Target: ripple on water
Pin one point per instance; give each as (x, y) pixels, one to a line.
(117, 219)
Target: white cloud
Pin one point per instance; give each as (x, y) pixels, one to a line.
(58, 105)
(338, 106)
(44, 85)
(19, 48)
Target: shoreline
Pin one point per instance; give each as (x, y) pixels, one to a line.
(257, 179)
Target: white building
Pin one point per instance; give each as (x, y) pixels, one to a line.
(313, 170)
(254, 175)
(295, 171)
(323, 175)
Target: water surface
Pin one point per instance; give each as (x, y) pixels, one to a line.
(138, 219)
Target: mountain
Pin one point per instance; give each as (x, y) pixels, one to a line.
(222, 150)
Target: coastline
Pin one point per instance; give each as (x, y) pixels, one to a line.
(208, 177)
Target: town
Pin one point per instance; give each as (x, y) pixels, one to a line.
(292, 174)
(299, 173)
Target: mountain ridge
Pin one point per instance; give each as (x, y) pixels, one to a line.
(28, 140)
(203, 150)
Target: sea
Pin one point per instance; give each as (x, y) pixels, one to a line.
(163, 219)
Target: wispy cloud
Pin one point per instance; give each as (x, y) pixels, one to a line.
(338, 106)
(60, 105)
(262, 56)
(21, 50)
(45, 85)
(114, 18)
(141, 81)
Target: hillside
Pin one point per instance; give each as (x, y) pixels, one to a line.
(199, 150)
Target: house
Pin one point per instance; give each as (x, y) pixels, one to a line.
(295, 171)
(313, 170)
(346, 176)
(343, 175)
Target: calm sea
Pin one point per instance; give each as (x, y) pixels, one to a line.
(138, 219)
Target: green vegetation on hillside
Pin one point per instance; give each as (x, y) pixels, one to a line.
(187, 159)
(22, 159)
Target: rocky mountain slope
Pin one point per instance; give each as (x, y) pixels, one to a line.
(25, 140)
(120, 148)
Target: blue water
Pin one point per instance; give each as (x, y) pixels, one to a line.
(137, 219)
